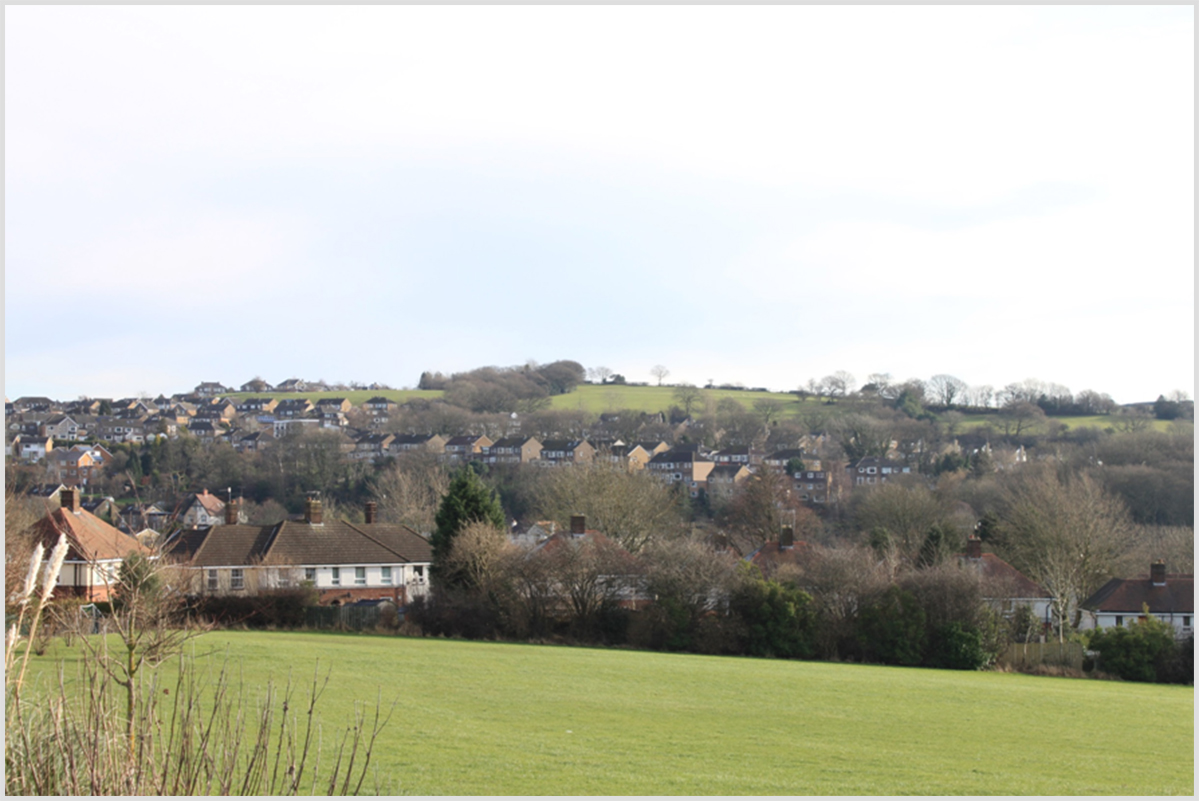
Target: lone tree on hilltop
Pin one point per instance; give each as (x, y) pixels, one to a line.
(659, 372)
(468, 500)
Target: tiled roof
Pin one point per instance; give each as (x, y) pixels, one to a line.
(91, 539)
(995, 569)
(1131, 595)
(300, 543)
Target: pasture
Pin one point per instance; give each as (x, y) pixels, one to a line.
(497, 719)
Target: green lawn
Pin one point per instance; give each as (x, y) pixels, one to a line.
(497, 719)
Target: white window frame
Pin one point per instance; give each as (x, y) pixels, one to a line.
(360, 577)
(385, 574)
(237, 579)
(214, 581)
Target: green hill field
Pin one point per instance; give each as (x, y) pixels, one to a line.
(498, 719)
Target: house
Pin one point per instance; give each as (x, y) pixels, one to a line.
(380, 408)
(511, 450)
(72, 467)
(1170, 597)
(211, 389)
(34, 449)
(139, 516)
(292, 385)
(255, 440)
(345, 562)
(256, 385)
(34, 404)
(633, 457)
(596, 570)
(562, 451)
(257, 406)
(685, 466)
(737, 454)
(59, 426)
(283, 428)
(775, 554)
(1013, 589)
(464, 448)
(104, 508)
(371, 446)
(812, 486)
(873, 470)
(292, 408)
(202, 509)
(780, 459)
(723, 480)
(96, 549)
(333, 405)
(204, 430)
(409, 443)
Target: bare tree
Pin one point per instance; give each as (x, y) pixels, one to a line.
(1065, 534)
(630, 507)
(689, 397)
(659, 372)
(946, 388)
(769, 409)
(839, 383)
(410, 491)
(601, 373)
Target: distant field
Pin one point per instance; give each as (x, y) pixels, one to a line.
(597, 399)
(355, 396)
(495, 719)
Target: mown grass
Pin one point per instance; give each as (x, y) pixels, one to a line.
(498, 719)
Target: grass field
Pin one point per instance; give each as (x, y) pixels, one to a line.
(485, 718)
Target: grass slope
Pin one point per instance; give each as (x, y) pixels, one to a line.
(485, 718)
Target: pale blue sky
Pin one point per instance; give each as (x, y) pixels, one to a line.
(758, 195)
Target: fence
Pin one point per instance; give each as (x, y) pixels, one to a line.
(1068, 654)
(351, 617)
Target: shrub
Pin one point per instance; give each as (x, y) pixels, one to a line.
(778, 618)
(891, 630)
(1138, 652)
(957, 647)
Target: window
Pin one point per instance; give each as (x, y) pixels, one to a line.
(237, 579)
(336, 577)
(360, 576)
(386, 571)
(1186, 621)
(214, 582)
(420, 572)
(1119, 620)
(310, 574)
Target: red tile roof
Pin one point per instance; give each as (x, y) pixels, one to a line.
(90, 538)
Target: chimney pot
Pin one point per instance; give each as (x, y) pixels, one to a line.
(578, 524)
(1157, 573)
(974, 548)
(69, 499)
(371, 511)
(787, 537)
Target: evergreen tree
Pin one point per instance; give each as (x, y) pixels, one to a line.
(468, 500)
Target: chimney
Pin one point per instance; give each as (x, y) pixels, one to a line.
(371, 512)
(1157, 573)
(312, 512)
(787, 538)
(69, 499)
(578, 524)
(974, 548)
(231, 510)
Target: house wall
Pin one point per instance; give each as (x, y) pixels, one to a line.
(1183, 623)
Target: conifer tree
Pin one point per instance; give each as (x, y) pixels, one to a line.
(468, 500)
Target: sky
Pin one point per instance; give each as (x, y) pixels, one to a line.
(758, 195)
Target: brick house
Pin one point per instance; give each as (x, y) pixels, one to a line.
(873, 470)
(723, 480)
(464, 448)
(561, 451)
(686, 467)
(345, 562)
(512, 450)
(96, 549)
(1170, 597)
